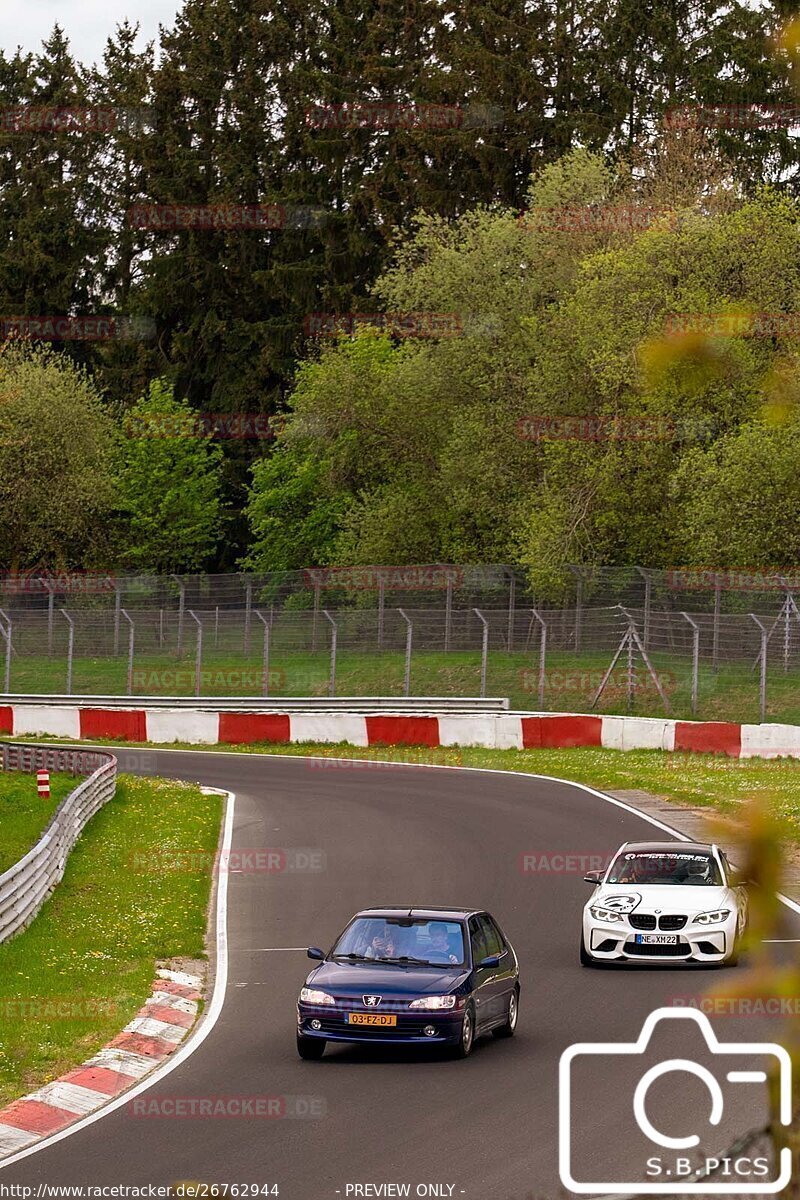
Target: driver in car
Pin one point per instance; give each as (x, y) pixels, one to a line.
(440, 950)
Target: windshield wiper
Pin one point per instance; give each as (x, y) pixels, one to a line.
(404, 958)
(354, 957)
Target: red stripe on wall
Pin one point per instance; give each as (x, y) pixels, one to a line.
(718, 737)
(403, 731)
(555, 732)
(6, 719)
(128, 724)
(253, 727)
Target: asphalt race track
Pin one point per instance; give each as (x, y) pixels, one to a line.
(488, 1126)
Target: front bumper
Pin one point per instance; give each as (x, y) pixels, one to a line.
(334, 1027)
(615, 942)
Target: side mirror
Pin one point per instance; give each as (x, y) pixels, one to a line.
(493, 960)
(593, 877)
(316, 953)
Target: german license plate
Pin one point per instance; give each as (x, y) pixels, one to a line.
(381, 1019)
(656, 939)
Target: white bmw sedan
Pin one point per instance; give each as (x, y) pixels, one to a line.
(664, 902)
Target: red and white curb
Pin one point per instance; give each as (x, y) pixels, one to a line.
(203, 725)
(154, 1033)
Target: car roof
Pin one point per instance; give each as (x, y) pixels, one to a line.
(657, 847)
(430, 912)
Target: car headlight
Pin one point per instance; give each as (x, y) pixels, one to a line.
(605, 914)
(434, 1002)
(712, 918)
(315, 996)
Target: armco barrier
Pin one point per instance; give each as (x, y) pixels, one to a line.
(208, 722)
(25, 886)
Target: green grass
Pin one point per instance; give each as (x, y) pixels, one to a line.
(72, 980)
(732, 693)
(24, 814)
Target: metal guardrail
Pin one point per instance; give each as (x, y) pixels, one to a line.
(353, 704)
(25, 886)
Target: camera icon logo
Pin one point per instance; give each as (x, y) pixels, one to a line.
(665, 1167)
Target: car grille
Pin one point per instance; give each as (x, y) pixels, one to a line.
(405, 1027)
(681, 950)
(642, 921)
(672, 921)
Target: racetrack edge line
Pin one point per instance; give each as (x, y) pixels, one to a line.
(203, 1028)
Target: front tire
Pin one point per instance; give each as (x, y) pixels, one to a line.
(586, 958)
(463, 1047)
(507, 1030)
(310, 1049)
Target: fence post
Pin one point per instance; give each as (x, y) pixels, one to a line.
(334, 636)
(7, 635)
(484, 648)
(448, 612)
(70, 648)
(198, 660)
(578, 573)
(648, 593)
(542, 655)
(216, 626)
(315, 618)
(181, 606)
(248, 608)
(717, 610)
(511, 599)
(51, 600)
(117, 610)
(762, 689)
(131, 635)
(409, 636)
(265, 666)
(695, 659)
(381, 602)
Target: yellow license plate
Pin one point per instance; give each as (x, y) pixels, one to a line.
(382, 1019)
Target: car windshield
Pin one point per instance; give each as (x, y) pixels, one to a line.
(392, 939)
(665, 867)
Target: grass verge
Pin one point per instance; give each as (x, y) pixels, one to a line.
(78, 974)
(24, 814)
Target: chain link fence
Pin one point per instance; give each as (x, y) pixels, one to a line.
(681, 643)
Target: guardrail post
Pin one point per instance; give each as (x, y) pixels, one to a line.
(484, 648)
(198, 659)
(409, 637)
(265, 667)
(334, 635)
(131, 635)
(762, 688)
(7, 635)
(542, 655)
(181, 606)
(70, 648)
(695, 659)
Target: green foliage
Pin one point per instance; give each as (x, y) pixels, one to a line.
(168, 483)
(55, 473)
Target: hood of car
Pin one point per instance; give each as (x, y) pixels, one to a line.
(666, 898)
(354, 979)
